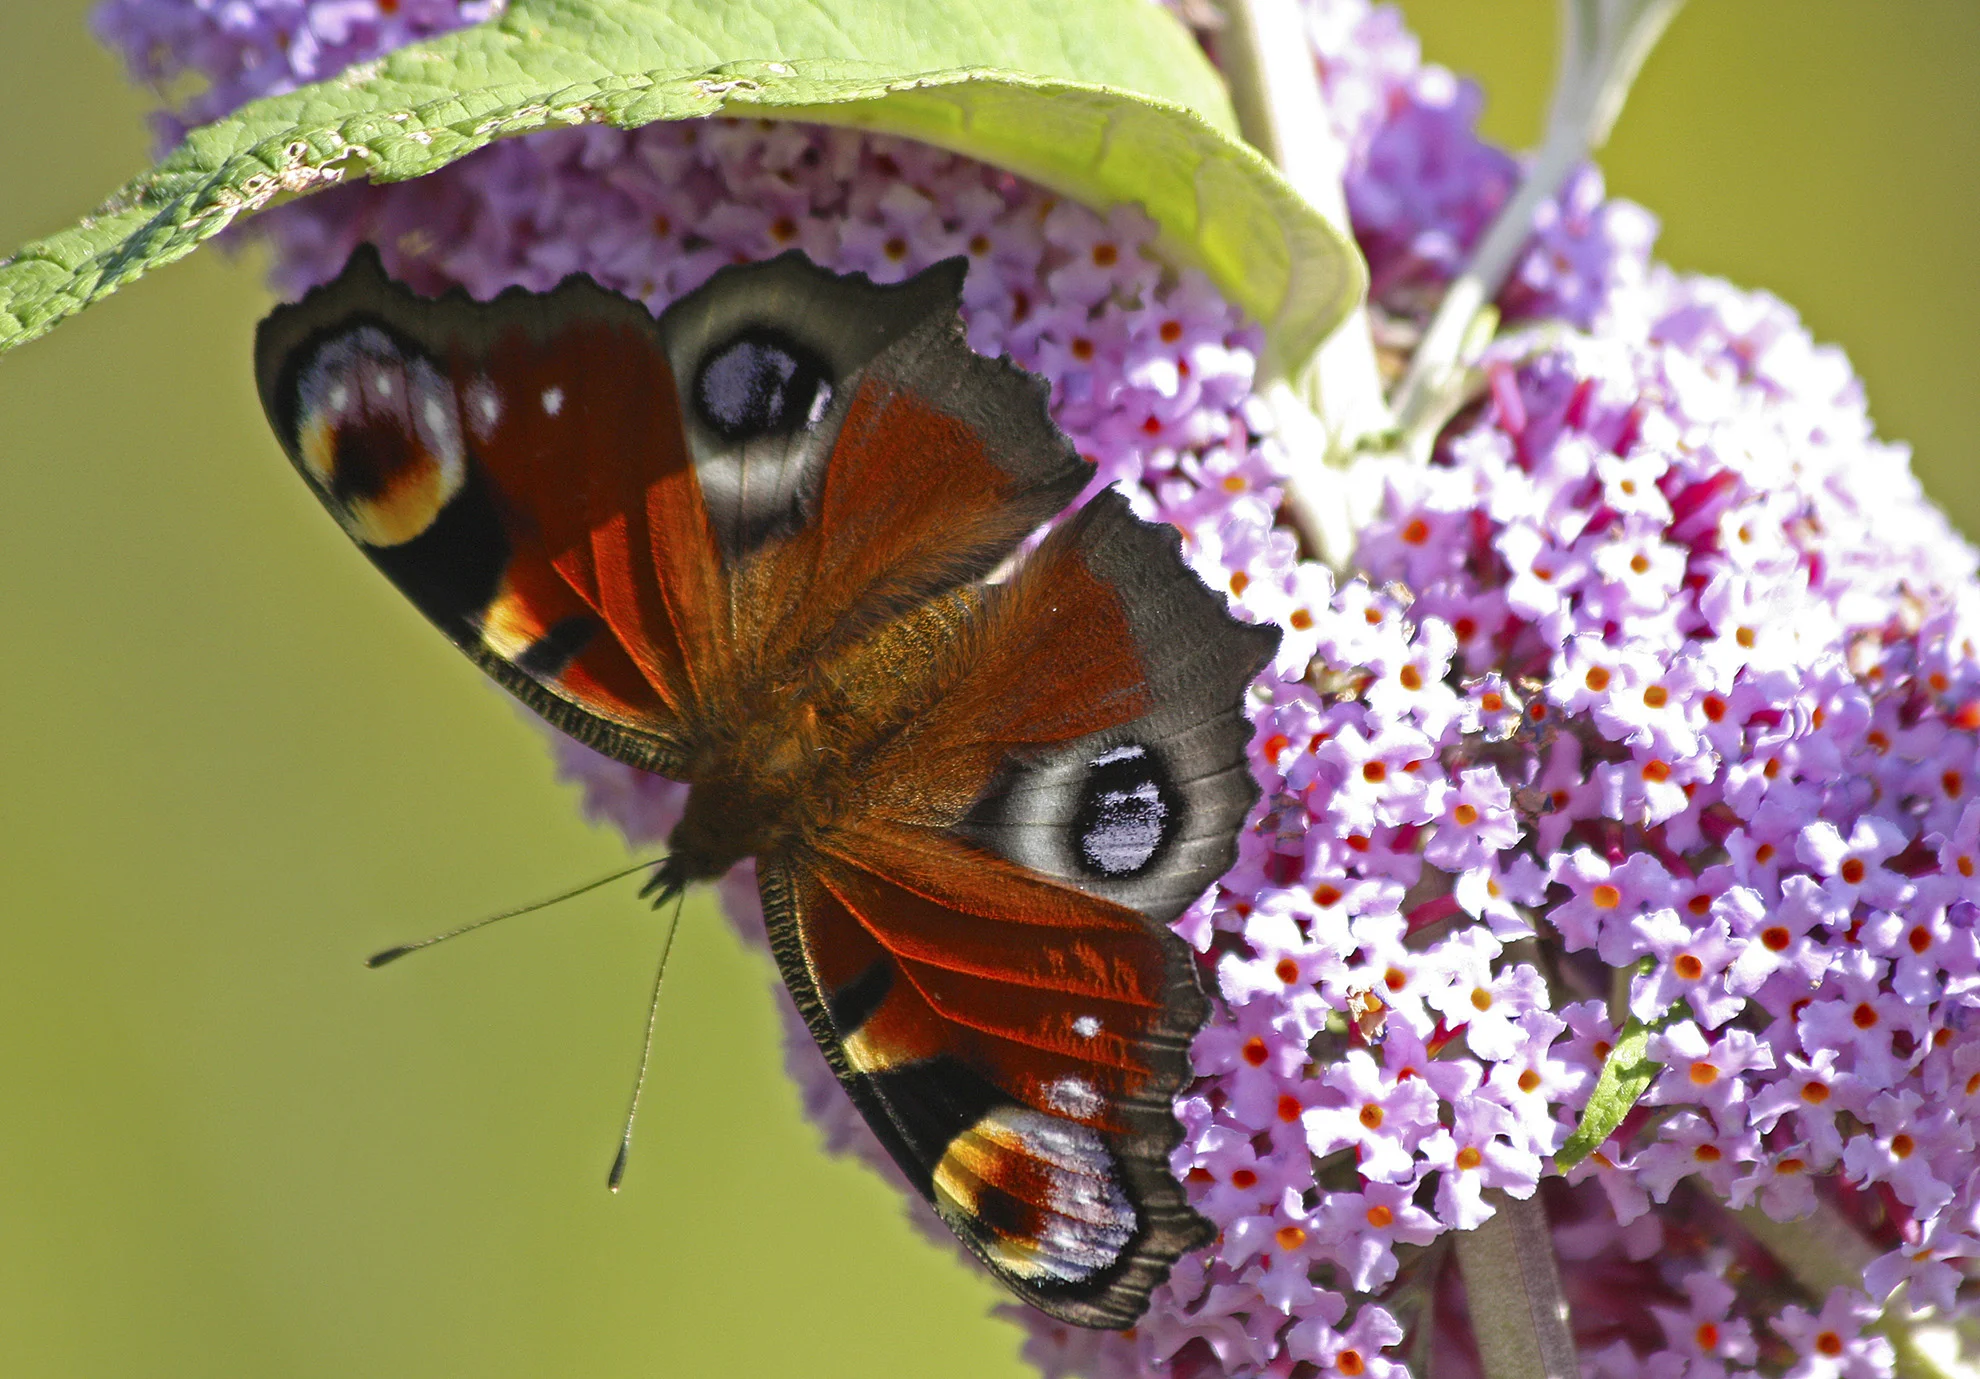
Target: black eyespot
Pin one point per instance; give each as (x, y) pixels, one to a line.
(1128, 810)
(761, 383)
(453, 570)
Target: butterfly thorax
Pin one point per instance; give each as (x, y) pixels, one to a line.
(761, 790)
(780, 765)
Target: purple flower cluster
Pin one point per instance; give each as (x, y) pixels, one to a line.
(1422, 186)
(1658, 699)
(207, 57)
(1655, 698)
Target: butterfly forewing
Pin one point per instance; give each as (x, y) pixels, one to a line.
(450, 437)
(757, 544)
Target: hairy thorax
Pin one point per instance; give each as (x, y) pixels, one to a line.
(757, 791)
(790, 754)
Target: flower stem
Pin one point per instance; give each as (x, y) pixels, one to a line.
(1334, 399)
(1513, 1292)
(1823, 1251)
(1268, 64)
(1603, 45)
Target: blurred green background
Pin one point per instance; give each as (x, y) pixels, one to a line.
(234, 762)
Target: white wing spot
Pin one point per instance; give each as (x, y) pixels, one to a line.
(382, 384)
(436, 414)
(339, 398)
(1086, 1026)
(1073, 1097)
(553, 400)
(484, 407)
(1128, 829)
(820, 400)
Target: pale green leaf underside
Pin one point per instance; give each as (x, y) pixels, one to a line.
(1104, 101)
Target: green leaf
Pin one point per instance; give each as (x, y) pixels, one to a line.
(1104, 101)
(1626, 1075)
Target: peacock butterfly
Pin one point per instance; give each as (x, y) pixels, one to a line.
(767, 544)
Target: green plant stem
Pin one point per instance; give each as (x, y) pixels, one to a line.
(1603, 46)
(1513, 1292)
(1823, 1251)
(1325, 405)
(1275, 89)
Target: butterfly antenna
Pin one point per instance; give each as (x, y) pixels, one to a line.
(618, 1172)
(380, 958)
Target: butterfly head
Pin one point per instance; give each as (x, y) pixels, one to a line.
(666, 883)
(733, 814)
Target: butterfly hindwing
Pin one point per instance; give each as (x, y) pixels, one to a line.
(1015, 1045)
(764, 352)
(1144, 810)
(921, 467)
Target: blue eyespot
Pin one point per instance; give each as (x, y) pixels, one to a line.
(1128, 811)
(760, 383)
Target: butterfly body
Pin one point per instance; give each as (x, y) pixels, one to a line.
(784, 760)
(770, 545)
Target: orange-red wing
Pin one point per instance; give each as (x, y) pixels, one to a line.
(1015, 968)
(1052, 660)
(1014, 1043)
(518, 469)
(752, 543)
(977, 937)
(919, 497)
